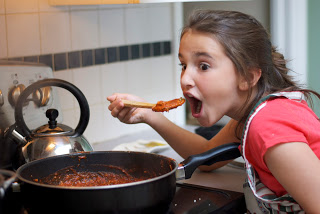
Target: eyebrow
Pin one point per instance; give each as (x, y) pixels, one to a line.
(197, 54)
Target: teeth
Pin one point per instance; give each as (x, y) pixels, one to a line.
(189, 95)
(198, 109)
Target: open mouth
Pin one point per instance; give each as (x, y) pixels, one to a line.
(195, 105)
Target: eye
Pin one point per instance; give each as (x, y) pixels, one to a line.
(204, 66)
(183, 66)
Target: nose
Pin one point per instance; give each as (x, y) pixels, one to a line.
(186, 79)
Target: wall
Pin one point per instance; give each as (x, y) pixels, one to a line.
(313, 49)
(101, 49)
(260, 9)
(289, 35)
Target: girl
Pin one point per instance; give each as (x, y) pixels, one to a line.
(229, 67)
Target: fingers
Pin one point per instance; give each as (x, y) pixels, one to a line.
(113, 97)
(125, 115)
(115, 106)
(118, 110)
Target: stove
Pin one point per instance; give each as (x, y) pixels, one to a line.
(14, 78)
(195, 199)
(189, 199)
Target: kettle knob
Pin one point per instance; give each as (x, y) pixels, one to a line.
(52, 115)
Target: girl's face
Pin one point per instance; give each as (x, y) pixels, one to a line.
(209, 80)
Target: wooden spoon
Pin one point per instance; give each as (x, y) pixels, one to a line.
(161, 106)
(130, 103)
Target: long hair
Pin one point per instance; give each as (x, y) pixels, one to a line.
(247, 43)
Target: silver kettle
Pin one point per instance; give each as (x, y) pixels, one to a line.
(53, 138)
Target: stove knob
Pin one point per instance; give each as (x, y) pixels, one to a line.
(14, 94)
(42, 96)
(1, 99)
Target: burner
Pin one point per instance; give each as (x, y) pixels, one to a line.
(194, 199)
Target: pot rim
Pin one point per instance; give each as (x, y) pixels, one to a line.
(125, 185)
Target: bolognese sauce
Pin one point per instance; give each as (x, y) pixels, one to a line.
(71, 177)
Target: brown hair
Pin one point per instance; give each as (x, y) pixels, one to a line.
(247, 44)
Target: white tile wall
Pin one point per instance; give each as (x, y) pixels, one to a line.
(111, 27)
(55, 32)
(23, 34)
(162, 86)
(33, 27)
(67, 100)
(113, 128)
(87, 80)
(114, 79)
(21, 6)
(2, 9)
(3, 37)
(160, 30)
(139, 76)
(84, 29)
(137, 18)
(136, 22)
(95, 132)
(71, 118)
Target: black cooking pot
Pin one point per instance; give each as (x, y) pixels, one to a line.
(151, 195)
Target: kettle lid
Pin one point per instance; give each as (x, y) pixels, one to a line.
(52, 128)
(45, 130)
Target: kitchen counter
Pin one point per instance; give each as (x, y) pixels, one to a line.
(229, 177)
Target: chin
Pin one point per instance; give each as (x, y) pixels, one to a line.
(205, 123)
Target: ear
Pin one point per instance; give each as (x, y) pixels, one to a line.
(254, 76)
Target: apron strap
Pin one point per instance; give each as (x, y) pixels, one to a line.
(259, 198)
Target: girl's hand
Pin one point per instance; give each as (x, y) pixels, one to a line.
(127, 114)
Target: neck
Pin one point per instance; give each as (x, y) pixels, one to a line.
(244, 102)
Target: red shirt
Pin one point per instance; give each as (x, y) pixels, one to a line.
(281, 121)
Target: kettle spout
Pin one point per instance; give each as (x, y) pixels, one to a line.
(19, 137)
(15, 136)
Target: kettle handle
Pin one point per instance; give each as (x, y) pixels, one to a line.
(84, 106)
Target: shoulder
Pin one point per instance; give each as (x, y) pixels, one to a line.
(283, 110)
(282, 120)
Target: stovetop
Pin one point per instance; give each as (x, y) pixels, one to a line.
(194, 199)
(189, 199)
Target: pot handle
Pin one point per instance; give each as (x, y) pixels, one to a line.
(84, 106)
(223, 152)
